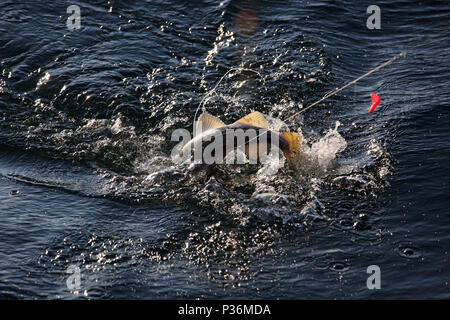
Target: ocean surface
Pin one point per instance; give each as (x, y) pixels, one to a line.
(92, 206)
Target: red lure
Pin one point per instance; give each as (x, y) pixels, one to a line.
(375, 102)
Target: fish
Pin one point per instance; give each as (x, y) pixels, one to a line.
(250, 134)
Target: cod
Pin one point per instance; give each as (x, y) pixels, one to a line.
(213, 139)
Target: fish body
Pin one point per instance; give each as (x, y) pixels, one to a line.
(213, 139)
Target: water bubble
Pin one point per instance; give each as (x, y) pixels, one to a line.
(409, 251)
(338, 266)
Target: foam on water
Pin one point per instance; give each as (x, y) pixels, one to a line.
(325, 150)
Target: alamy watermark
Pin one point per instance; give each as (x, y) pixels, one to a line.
(374, 20)
(73, 282)
(374, 280)
(74, 20)
(78, 282)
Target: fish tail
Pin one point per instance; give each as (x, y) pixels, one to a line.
(294, 141)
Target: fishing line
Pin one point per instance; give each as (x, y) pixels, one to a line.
(350, 83)
(332, 93)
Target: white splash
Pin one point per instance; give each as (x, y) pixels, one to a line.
(325, 150)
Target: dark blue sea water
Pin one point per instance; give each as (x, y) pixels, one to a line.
(87, 183)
